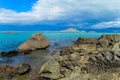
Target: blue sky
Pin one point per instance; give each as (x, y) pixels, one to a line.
(59, 14)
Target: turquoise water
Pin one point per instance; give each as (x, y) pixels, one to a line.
(57, 39)
(12, 41)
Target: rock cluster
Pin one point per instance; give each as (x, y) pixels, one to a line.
(105, 42)
(88, 59)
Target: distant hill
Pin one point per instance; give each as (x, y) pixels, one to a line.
(70, 30)
(10, 32)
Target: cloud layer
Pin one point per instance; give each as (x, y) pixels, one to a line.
(96, 13)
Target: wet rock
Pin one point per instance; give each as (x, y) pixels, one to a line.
(51, 70)
(53, 52)
(26, 52)
(37, 41)
(9, 54)
(83, 40)
(23, 69)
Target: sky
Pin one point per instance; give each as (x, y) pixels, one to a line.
(99, 15)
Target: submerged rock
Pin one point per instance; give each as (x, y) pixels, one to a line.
(9, 54)
(51, 70)
(37, 41)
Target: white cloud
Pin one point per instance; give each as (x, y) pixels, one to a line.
(110, 24)
(48, 10)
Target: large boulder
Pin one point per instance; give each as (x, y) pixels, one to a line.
(37, 41)
(50, 70)
(108, 41)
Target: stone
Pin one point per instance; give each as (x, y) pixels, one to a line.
(50, 70)
(37, 41)
(23, 69)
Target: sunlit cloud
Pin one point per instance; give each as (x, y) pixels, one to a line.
(109, 24)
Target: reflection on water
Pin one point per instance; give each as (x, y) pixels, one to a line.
(35, 58)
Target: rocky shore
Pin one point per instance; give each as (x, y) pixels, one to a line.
(86, 59)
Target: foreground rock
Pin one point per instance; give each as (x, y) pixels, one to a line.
(23, 69)
(50, 70)
(7, 71)
(37, 41)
